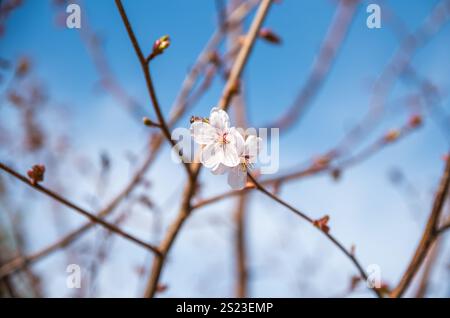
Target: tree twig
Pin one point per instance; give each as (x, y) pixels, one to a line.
(301, 214)
(429, 235)
(145, 65)
(80, 210)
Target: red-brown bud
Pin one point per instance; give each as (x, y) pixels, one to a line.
(36, 174)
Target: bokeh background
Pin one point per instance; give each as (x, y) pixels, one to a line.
(91, 145)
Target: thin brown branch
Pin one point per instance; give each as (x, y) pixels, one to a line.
(429, 235)
(313, 170)
(396, 67)
(444, 227)
(244, 53)
(301, 214)
(428, 267)
(145, 65)
(73, 206)
(240, 243)
(18, 263)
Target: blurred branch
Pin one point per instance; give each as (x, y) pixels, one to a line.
(429, 264)
(331, 45)
(429, 235)
(444, 227)
(316, 168)
(240, 247)
(17, 235)
(339, 245)
(92, 217)
(241, 59)
(397, 65)
(107, 78)
(182, 100)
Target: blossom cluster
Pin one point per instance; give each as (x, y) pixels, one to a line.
(225, 149)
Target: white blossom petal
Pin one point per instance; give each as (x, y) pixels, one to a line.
(237, 177)
(220, 169)
(230, 155)
(252, 145)
(203, 133)
(219, 119)
(238, 140)
(211, 156)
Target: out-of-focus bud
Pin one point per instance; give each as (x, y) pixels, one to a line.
(36, 174)
(160, 288)
(148, 122)
(161, 45)
(23, 67)
(392, 135)
(354, 282)
(16, 99)
(321, 161)
(352, 249)
(322, 223)
(214, 58)
(415, 121)
(336, 174)
(270, 36)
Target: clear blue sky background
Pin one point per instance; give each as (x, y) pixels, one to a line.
(287, 257)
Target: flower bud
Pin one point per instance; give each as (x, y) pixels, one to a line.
(214, 58)
(161, 44)
(321, 161)
(270, 36)
(36, 174)
(322, 223)
(148, 122)
(392, 135)
(415, 120)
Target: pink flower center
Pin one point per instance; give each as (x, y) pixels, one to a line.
(223, 139)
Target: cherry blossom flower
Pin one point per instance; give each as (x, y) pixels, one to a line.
(224, 148)
(218, 140)
(248, 151)
(237, 176)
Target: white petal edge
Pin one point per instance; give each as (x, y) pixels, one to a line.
(252, 147)
(230, 155)
(211, 156)
(219, 119)
(237, 178)
(220, 169)
(203, 133)
(238, 141)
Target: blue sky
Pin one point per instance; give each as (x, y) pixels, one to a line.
(365, 208)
